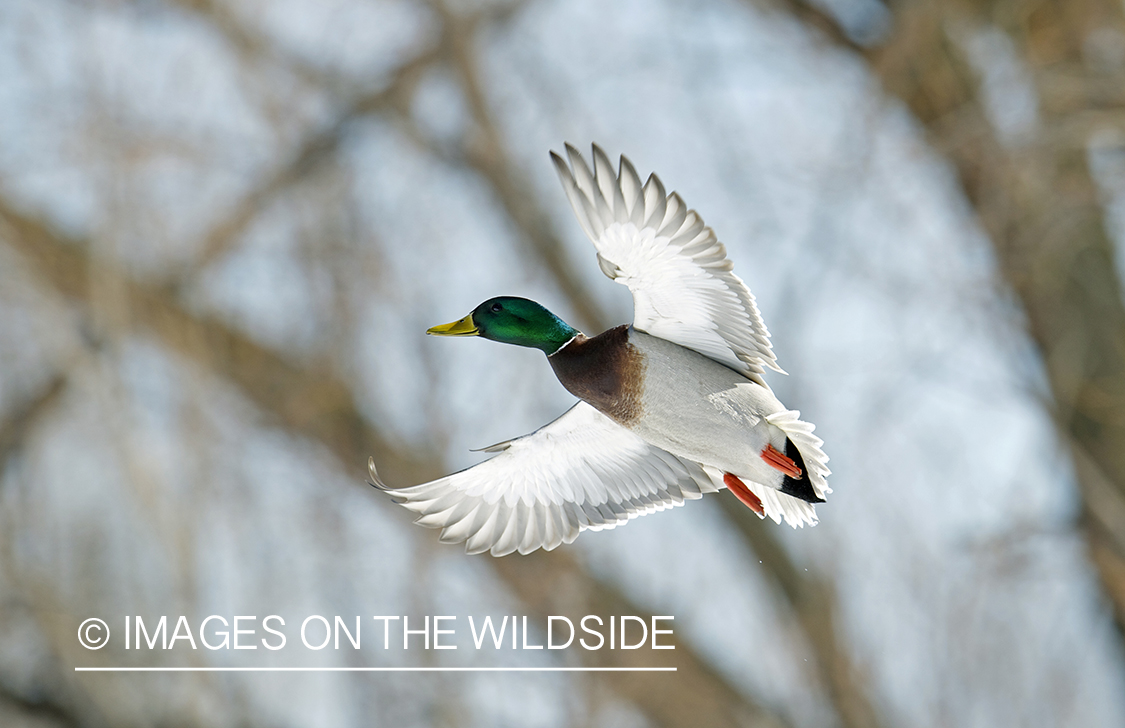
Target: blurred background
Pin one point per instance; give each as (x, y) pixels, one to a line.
(226, 224)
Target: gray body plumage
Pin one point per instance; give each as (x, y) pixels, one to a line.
(700, 410)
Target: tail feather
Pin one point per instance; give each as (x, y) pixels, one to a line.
(799, 487)
(804, 449)
(775, 504)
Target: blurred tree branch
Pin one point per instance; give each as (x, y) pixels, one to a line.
(312, 402)
(1034, 202)
(483, 150)
(253, 46)
(43, 711)
(811, 597)
(23, 418)
(15, 428)
(812, 600)
(695, 695)
(1040, 207)
(317, 147)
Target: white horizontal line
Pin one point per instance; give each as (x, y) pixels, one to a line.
(375, 669)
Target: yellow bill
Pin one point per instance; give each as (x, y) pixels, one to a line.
(462, 327)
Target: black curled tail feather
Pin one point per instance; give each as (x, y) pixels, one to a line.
(798, 487)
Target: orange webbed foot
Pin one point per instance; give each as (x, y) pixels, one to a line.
(777, 460)
(744, 494)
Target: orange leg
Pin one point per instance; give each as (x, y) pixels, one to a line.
(775, 459)
(744, 494)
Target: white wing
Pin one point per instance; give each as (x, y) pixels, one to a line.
(581, 471)
(681, 280)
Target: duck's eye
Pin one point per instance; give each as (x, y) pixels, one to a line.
(497, 308)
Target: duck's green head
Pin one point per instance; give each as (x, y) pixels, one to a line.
(512, 320)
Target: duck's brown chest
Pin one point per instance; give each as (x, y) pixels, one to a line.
(606, 371)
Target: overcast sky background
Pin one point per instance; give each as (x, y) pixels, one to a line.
(155, 488)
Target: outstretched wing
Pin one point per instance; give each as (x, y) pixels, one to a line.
(677, 270)
(581, 471)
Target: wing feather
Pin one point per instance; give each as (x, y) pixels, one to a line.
(632, 192)
(582, 471)
(682, 282)
(656, 201)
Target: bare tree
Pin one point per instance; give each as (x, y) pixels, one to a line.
(1030, 186)
(1034, 194)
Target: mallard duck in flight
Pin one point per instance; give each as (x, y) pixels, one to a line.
(671, 407)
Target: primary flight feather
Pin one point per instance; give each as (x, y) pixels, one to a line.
(673, 406)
